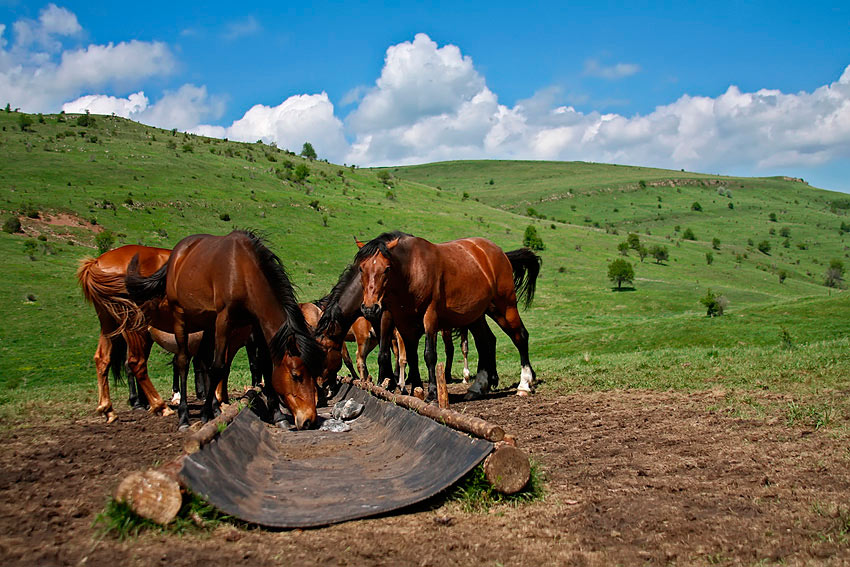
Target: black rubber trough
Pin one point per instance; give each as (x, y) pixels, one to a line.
(391, 458)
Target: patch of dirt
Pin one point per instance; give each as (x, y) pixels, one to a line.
(63, 226)
(632, 477)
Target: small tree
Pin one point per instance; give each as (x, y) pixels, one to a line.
(834, 274)
(532, 239)
(621, 271)
(782, 276)
(104, 240)
(689, 234)
(623, 248)
(24, 121)
(785, 232)
(633, 240)
(30, 248)
(715, 243)
(308, 152)
(714, 303)
(772, 217)
(301, 172)
(12, 225)
(659, 252)
(764, 247)
(643, 252)
(696, 207)
(385, 177)
(709, 258)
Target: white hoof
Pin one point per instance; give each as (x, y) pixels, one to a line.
(522, 393)
(175, 399)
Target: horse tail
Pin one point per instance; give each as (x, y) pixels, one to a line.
(526, 268)
(107, 292)
(118, 358)
(143, 289)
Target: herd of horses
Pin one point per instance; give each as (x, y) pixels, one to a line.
(212, 295)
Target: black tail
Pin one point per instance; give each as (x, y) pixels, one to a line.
(117, 358)
(526, 267)
(143, 289)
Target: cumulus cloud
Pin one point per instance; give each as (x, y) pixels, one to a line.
(183, 109)
(242, 28)
(298, 119)
(431, 104)
(593, 68)
(38, 74)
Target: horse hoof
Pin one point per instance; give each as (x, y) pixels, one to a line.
(166, 411)
(522, 393)
(111, 417)
(183, 427)
(175, 399)
(472, 396)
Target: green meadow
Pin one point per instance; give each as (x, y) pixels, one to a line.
(68, 177)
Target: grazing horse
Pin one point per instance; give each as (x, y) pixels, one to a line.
(123, 331)
(426, 287)
(230, 287)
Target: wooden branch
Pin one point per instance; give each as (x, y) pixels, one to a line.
(462, 422)
(442, 389)
(205, 434)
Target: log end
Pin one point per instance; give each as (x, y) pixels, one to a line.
(151, 494)
(507, 469)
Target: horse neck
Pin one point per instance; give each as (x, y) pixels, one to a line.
(348, 302)
(268, 312)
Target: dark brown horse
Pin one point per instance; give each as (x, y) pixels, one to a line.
(230, 287)
(426, 288)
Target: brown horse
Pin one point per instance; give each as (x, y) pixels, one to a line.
(230, 287)
(428, 287)
(123, 331)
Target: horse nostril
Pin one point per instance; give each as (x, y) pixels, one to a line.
(307, 424)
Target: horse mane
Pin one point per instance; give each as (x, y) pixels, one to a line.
(295, 327)
(107, 291)
(330, 303)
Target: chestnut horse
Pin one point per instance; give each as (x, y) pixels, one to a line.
(230, 287)
(428, 287)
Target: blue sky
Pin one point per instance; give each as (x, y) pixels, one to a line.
(739, 88)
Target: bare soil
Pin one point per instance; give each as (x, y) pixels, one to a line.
(632, 477)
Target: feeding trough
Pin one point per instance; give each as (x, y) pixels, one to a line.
(390, 458)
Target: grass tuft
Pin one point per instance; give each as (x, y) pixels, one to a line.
(475, 494)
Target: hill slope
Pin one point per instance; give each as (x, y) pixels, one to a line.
(80, 175)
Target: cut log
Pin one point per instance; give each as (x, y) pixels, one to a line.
(456, 420)
(155, 493)
(442, 390)
(507, 469)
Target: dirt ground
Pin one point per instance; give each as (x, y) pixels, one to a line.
(632, 477)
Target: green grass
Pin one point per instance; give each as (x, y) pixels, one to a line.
(475, 494)
(138, 182)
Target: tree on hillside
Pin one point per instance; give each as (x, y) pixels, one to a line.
(834, 274)
(633, 241)
(715, 243)
(301, 172)
(623, 248)
(696, 207)
(689, 234)
(24, 121)
(764, 247)
(308, 152)
(659, 252)
(715, 303)
(621, 271)
(643, 252)
(532, 239)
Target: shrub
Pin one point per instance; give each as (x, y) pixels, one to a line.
(709, 258)
(104, 241)
(301, 173)
(772, 217)
(715, 304)
(187, 148)
(85, 120)
(623, 248)
(659, 252)
(12, 225)
(689, 234)
(29, 211)
(24, 122)
(764, 247)
(532, 239)
(834, 276)
(731, 205)
(696, 207)
(785, 232)
(171, 145)
(782, 276)
(30, 248)
(621, 271)
(715, 243)
(643, 252)
(633, 240)
(225, 217)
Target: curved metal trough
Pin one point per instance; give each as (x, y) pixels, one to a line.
(391, 458)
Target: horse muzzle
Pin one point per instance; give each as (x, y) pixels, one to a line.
(371, 312)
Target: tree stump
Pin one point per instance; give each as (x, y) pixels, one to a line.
(507, 469)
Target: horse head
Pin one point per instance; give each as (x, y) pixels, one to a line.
(294, 377)
(374, 274)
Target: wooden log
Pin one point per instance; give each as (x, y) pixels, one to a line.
(442, 390)
(156, 493)
(456, 420)
(205, 434)
(507, 469)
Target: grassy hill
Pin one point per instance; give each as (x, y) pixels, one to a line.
(68, 178)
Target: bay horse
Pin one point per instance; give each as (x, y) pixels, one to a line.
(428, 287)
(231, 287)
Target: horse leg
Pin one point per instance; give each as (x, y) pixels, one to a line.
(251, 349)
(138, 351)
(219, 366)
(464, 350)
(346, 358)
(137, 399)
(361, 355)
(102, 357)
(449, 344)
(411, 344)
(384, 347)
(511, 323)
(486, 375)
(401, 358)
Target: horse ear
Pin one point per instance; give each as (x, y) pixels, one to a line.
(359, 244)
(392, 244)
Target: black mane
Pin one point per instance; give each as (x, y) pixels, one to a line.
(330, 303)
(295, 327)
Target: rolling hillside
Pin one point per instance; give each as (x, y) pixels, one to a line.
(69, 178)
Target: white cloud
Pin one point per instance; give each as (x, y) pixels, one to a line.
(593, 68)
(104, 104)
(38, 75)
(298, 119)
(242, 28)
